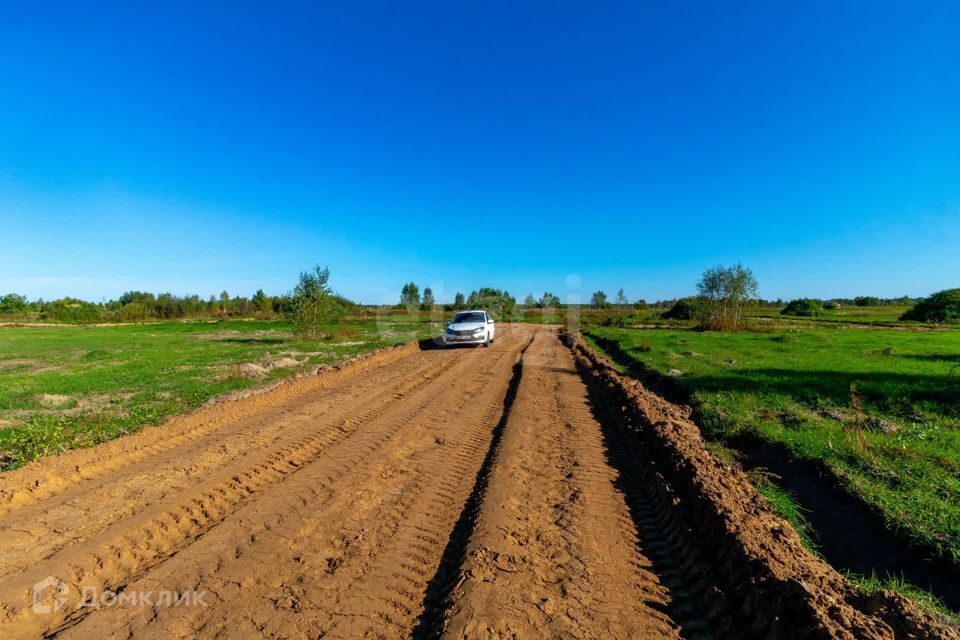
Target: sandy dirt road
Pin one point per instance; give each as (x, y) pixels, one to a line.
(416, 493)
(346, 513)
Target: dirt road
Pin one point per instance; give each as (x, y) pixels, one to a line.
(417, 493)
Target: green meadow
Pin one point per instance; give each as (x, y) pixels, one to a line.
(66, 386)
(879, 408)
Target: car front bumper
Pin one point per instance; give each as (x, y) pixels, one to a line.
(448, 339)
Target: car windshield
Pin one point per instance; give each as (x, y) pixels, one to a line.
(468, 317)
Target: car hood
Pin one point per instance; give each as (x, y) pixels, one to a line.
(466, 326)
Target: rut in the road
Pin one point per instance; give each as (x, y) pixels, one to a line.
(343, 535)
(553, 551)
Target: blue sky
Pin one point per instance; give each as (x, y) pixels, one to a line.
(562, 146)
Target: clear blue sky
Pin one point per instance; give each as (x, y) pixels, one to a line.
(565, 146)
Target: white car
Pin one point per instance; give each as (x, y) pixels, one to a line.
(470, 327)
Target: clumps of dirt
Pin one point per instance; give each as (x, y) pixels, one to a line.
(53, 400)
(27, 366)
(280, 363)
(59, 404)
(870, 423)
(330, 372)
(233, 334)
(776, 586)
(255, 370)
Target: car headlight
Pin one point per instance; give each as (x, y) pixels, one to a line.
(478, 330)
(449, 329)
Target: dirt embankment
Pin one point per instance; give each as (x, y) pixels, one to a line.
(779, 588)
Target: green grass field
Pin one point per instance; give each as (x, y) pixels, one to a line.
(883, 315)
(74, 386)
(881, 408)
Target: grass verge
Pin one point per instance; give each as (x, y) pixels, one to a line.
(879, 409)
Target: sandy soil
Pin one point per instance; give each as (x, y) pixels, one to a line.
(487, 493)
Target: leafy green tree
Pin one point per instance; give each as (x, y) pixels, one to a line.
(314, 309)
(410, 295)
(529, 301)
(13, 303)
(943, 306)
(428, 300)
(598, 300)
(683, 309)
(499, 303)
(260, 301)
(548, 301)
(805, 307)
(459, 302)
(724, 291)
(224, 303)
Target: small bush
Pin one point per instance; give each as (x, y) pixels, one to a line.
(133, 312)
(71, 310)
(802, 307)
(344, 332)
(619, 321)
(683, 309)
(13, 303)
(943, 306)
(315, 310)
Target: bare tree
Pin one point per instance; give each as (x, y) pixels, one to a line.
(621, 299)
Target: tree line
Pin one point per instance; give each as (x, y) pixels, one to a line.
(498, 302)
(723, 294)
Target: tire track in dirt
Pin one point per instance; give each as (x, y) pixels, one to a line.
(461, 493)
(130, 489)
(133, 546)
(553, 552)
(53, 475)
(339, 533)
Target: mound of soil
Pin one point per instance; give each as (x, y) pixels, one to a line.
(781, 589)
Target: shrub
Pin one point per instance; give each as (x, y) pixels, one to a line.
(598, 300)
(618, 320)
(724, 292)
(314, 309)
(13, 303)
(802, 307)
(867, 301)
(683, 309)
(943, 306)
(133, 312)
(71, 310)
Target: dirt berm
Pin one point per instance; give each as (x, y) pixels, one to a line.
(772, 585)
